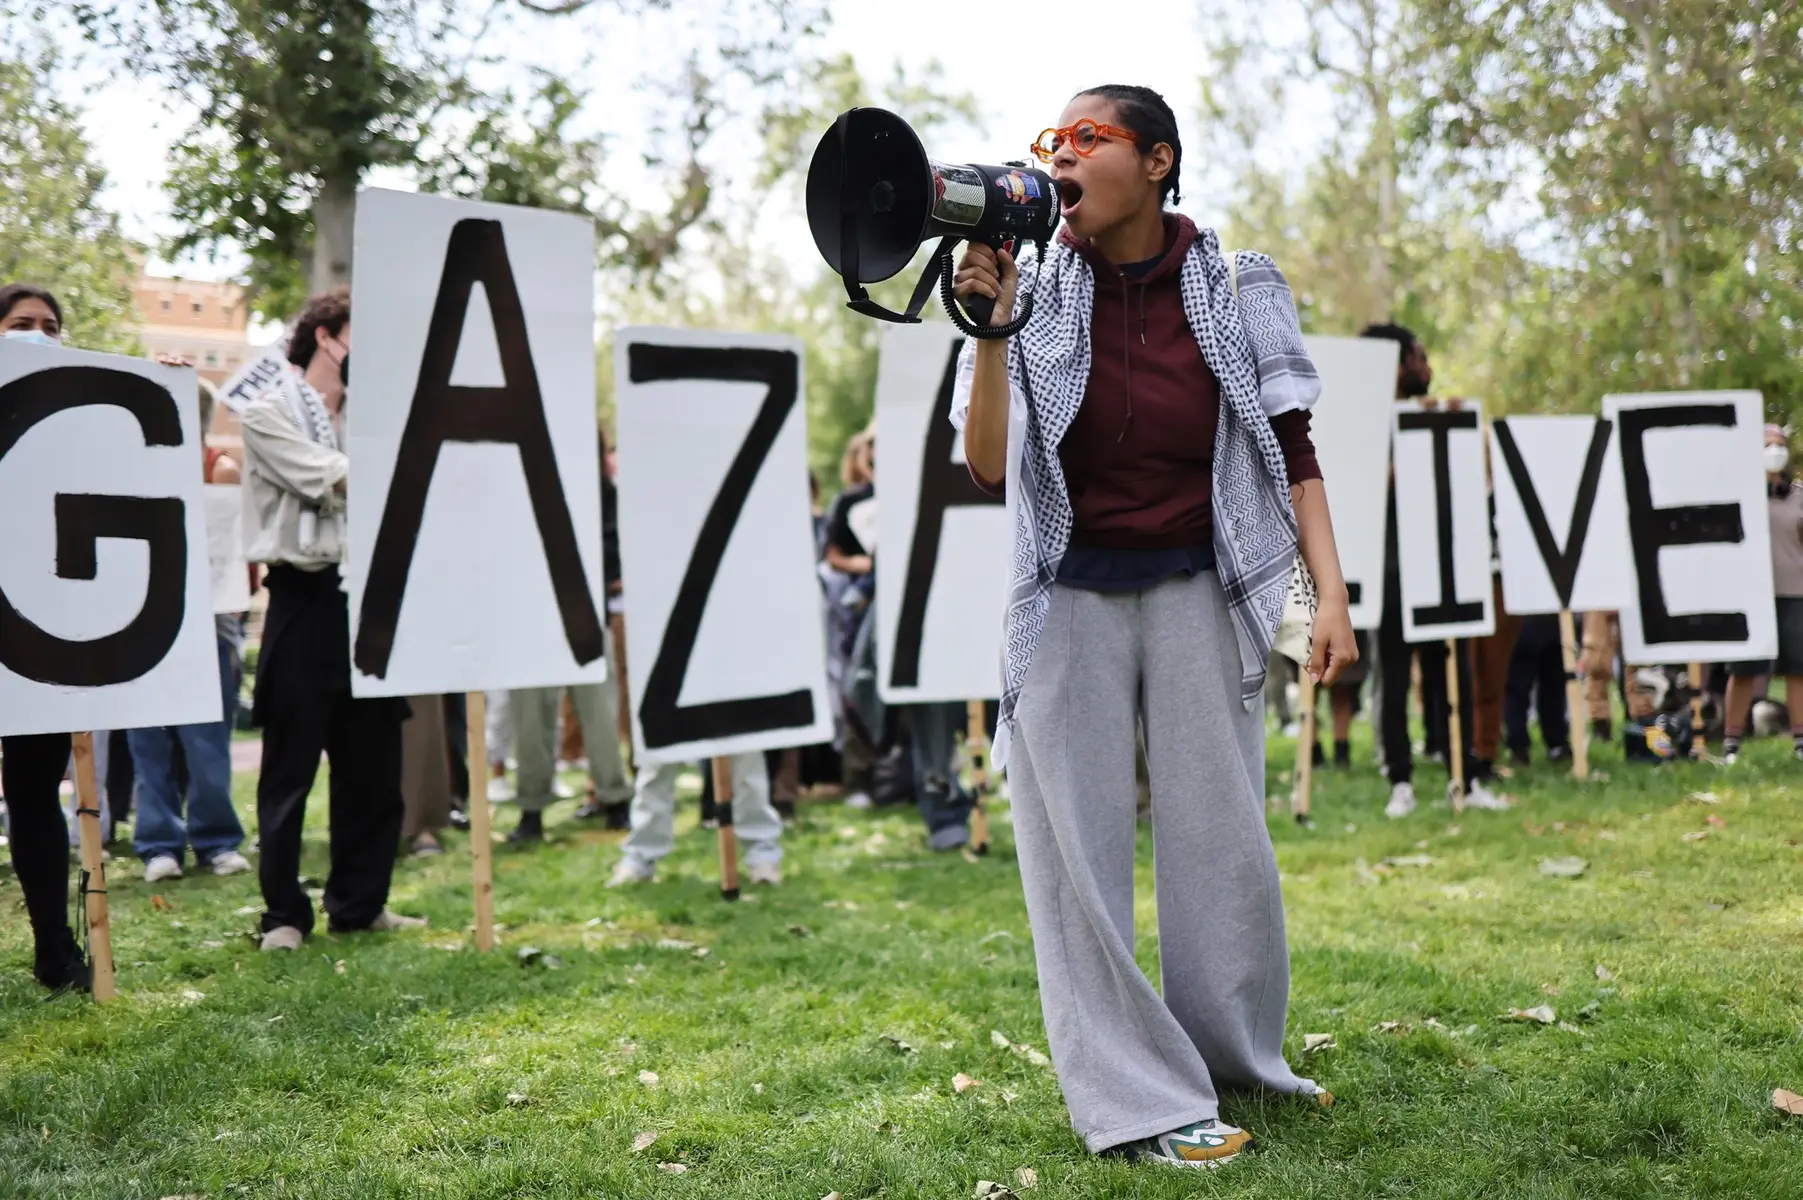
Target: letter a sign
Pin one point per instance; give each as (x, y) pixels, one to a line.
(474, 506)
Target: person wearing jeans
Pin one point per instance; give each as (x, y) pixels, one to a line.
(161, 835)
(653, 835)
(944, 804)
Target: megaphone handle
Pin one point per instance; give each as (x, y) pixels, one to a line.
(980, 308)
(981, 329)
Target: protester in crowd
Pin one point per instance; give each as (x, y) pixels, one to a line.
(32, 766)
(1784, 507)
(1488, 659)
(850, 588)
(203, 753)
(596, 707)
(758, 825)
(425, 776)
(1414, 376)
(294, 485)
(1537, 682)
(1152, 416)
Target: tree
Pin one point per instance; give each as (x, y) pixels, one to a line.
(53, 229)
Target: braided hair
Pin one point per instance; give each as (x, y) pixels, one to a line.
(1150, 118)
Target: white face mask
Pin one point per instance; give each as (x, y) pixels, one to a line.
(1777, 458)
(32, 335)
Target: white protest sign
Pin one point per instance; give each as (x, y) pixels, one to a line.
(1557, 524)
(1693, 483)
(942, 576)
(1442, 522)
(474, 526)
(724, 625)
(1350, 427)
(225, 548)
(254, 377)
(106, 614)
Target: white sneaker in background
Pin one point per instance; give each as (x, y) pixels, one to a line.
(1402, 801)
(1482, 797)
(561, 790)
(500, 791)
(632, 869)
(767, 873)
(160, 867)
(229, 862)
(283, 937)
(859, 800)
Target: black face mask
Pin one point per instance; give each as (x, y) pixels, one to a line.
(344, 369)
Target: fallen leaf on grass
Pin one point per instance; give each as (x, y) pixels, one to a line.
(340, 968)
(1568, 1027)
(643, 1140)
(1550, 989)
(1787, 1101)
(1604, 974)
(1713, 819)
(990, 1190)
(161, 905)
(674, 944)
(1590, 1010)
(969, 855)
(831, 1196)
(1026, 1178)
(190, 996)
(757, 1089)
(1390, 1027)
(212, 945)
(1606, 835)
(1569, 867)
(1704, 798)
(1696, 835)
(1313, 1042)
(1033, 1056)
(1542, 1013)
(801, 931)
(1363, 875)
(998, 1038)
(901, 1047)
(962, 1083)
(673, 1168)
(648, 1078)
(517, 1100)
(249, 910)
(1408, 860)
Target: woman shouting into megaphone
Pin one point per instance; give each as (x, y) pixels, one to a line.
(1150, 425)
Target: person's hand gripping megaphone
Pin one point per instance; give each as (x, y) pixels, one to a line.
(989, 272)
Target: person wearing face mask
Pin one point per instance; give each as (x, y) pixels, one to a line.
(1150, 427)
(1784, 505)
(294, 484)
(32, 766)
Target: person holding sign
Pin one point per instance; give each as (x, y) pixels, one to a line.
(294, 485)
(32, 766)
(162, 834)
(1151, 426)
(1784, 505)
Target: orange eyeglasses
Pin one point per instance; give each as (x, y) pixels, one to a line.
(1084, 136)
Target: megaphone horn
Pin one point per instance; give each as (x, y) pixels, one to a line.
(874, 196)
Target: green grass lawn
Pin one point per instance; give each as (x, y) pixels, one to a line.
(409, 1065)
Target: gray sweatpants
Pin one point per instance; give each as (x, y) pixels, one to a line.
(1132, 1064)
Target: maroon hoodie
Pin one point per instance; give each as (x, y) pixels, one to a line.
(1139, 457)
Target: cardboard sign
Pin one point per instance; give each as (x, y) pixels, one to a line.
(225, 548)
(942, 577)
(1559, 515)
(1350, 427)
(724, 627)
(474, 525)
(254, 377)
(1442, 522)
(106, 614)
(1693, 486)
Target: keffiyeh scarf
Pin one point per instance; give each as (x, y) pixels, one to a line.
(1253, 344)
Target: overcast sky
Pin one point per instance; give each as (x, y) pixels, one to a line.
(1023, 61)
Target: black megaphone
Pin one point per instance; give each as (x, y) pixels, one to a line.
(874, 196)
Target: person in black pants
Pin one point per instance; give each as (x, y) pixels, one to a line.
(1537, 676)
(294, 480)
(31, 772)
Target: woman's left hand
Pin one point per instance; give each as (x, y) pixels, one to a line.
(1335, 649)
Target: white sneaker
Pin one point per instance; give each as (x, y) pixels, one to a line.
(630, 870)
(388, 921)
(859, 800)
(283, 937)
(229, 862)
(1482, 797)
(769, 873)
(161, 867)
(1402, 801)
(561, 790)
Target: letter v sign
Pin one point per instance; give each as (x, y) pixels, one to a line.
(1561, 564)
(513, 412)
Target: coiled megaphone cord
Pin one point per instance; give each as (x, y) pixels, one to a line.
(965, 325)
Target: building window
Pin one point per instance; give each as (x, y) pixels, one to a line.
(165, 303)
(212, 359)
(197, 307)
(226, 312)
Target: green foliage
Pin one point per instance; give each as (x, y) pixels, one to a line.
(54, 231)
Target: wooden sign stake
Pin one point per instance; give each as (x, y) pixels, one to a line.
(1455, 733)
(1305, 751)
(976, 742)
(1699, 749)
(1574, 697)
(616, 625)
(729, 837)
(93, 866)
(481, 847)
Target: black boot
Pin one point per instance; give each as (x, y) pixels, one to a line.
(1342, 753)
(530, 829)
(59, 964)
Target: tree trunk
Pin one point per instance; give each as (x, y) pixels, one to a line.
(1668, 221)
(334, 213)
